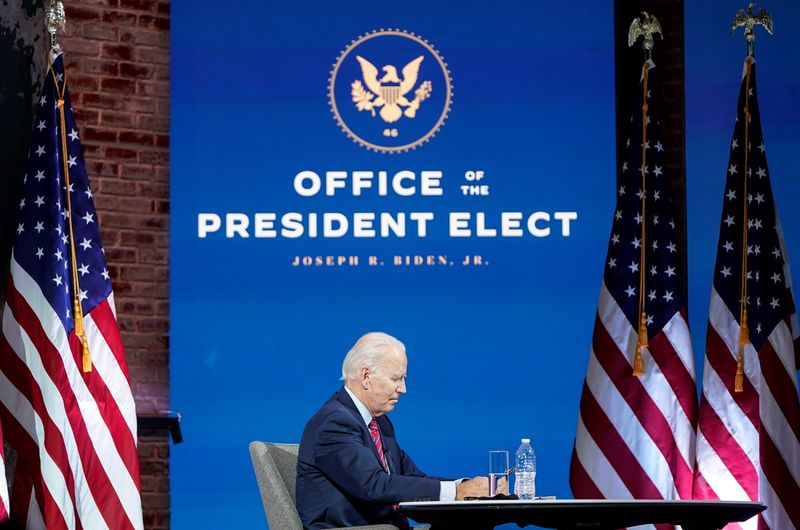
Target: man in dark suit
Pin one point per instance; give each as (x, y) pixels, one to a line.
(350, 469)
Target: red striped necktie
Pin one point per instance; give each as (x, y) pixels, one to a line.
(375, 432)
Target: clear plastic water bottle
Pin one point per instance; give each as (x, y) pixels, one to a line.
(525, 483)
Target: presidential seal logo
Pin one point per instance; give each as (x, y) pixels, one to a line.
(390, 91)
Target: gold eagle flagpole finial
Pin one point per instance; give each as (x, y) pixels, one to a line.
(749, 20)
(647, 25)
(56, 20)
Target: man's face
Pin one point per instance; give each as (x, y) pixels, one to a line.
(384, 386)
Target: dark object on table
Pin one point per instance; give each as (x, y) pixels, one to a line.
(498, 497)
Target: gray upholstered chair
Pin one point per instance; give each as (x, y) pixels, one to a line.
(276, 471)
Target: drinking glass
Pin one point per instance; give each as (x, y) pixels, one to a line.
(498, 468)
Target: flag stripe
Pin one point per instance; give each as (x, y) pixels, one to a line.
(588, 457)
(639, 443)
(581, 482)
(613, 446)
(650, 417)
(56, 495)
(29, 295)
(101, 329)
(656, 385)
(24, 390)
(777, 473)
(63, 426)
(23, 487)
(119, 433)
(775, 517)
(672, 350)
(706, 468)
(731, 454)
(102, 468)
(781, 387)
(105, 318)
(722, 359)
(116, 433)
(742, 426)
(701, 484)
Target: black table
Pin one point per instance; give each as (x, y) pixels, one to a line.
(579, 514)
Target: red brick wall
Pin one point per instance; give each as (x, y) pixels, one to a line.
(117, 63)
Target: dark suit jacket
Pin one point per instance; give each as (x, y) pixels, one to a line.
(340, 479)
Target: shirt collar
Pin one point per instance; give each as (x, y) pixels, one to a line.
(362, 409)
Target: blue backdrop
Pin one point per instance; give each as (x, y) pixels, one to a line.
(497, 351)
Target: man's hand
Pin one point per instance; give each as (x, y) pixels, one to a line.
(479, 487)
(502, 486)
(474, 487)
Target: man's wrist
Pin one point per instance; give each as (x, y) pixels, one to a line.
(447, 491)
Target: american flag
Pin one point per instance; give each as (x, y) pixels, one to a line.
(74, 430)
(635, 435)
(747, 442)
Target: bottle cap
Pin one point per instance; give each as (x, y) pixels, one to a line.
(526, 440)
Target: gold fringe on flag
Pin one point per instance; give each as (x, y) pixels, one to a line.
(744, 330)
(646, 26)
(641, 341)
(80, 331)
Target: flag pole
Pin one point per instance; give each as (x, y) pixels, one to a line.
(56, 20)
(646, 27)
(748, 20)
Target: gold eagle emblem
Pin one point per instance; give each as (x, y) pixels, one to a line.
(647, 26)
(748, 20)
(389, 92)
